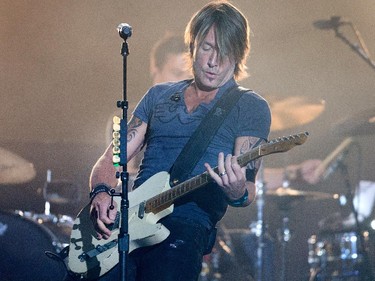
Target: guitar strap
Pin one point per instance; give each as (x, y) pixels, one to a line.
(198, 142)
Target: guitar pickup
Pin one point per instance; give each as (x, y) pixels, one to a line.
(141, 210)
(115, 224)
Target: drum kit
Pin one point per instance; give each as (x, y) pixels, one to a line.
(30, 241)
(342, 254)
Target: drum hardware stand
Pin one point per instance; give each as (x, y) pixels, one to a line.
(365, 273)
(260, 226)
(284, 238)
(47, 205)
(285, 234)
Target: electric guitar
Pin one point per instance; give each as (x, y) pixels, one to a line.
(153, 200)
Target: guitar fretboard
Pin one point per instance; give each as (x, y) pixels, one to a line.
(166, 198)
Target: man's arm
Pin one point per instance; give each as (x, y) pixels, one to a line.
(103, 175)
(104, 171)
(302, 173)
(242, 146)
(236, 182)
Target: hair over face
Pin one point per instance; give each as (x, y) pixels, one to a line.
(232, 33)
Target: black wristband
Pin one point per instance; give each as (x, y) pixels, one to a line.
(98, 189)
(250, 175)
(239, 202)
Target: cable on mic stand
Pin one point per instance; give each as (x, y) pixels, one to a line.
(125, 31)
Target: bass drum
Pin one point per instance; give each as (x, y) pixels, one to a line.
(22, 252)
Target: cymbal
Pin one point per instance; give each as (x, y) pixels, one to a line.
(238, 231)
(56, 199)
(294, 111)
(61, 192)
(15, 169)
(291, 193)
(362, 123)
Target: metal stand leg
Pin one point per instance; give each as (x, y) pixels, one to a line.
(260, 229)
(285, 237)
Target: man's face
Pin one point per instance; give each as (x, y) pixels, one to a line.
(175, 69)
(211, 71)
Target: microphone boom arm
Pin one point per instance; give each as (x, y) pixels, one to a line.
(360, 49)
(334, 23)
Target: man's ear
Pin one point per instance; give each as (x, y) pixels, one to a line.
(153, 71)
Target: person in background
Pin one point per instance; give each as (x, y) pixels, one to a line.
(169, 60)
(301, 173)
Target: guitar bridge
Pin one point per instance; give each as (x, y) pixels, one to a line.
(96, 251)
(115, 224)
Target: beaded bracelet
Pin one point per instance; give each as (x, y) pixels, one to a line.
(239, 202)
(98, 189)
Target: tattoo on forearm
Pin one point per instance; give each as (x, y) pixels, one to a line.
(133, 124)
(249, 144)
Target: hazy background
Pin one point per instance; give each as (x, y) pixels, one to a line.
(61, 75)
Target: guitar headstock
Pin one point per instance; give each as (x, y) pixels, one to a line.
(283, 144)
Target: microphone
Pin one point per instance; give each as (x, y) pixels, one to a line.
(332, 23)
(175, 97)
(330, 163)
(124, 30)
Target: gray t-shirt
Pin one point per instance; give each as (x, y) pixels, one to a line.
(170, 127)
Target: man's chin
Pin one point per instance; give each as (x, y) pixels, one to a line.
(207, 85)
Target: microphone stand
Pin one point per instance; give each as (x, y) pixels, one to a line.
(362, 49)
(123, 236)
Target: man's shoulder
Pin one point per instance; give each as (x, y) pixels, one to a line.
(252, 95)
(166, 90)
(165, 86)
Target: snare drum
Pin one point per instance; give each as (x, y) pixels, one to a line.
(336, 254)
(23, 241)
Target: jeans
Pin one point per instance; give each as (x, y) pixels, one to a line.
(178, 258)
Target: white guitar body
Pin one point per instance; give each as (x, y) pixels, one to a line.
(143, 231)
(153, 200)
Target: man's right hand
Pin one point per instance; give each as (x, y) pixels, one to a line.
(102, 215)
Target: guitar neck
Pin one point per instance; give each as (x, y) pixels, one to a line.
(166, 198)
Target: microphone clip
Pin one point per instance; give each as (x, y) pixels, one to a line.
(175, 97)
